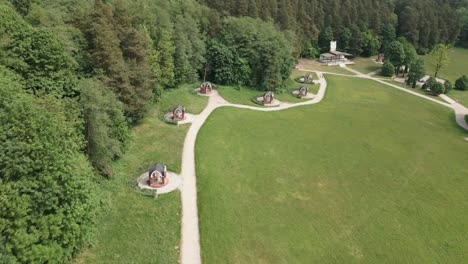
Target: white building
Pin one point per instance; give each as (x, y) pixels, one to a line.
(334, 57)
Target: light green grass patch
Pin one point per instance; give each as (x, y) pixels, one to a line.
(314, 65)
(298, 73)
(239, 94)
(243, 94)
(365, 65)
(369, 175)
(417, 90)
(458, 65)
(459, 96)
(185, 95)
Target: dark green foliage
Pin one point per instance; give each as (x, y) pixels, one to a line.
(410, 54)
(426, 23)
(388, 69)
(345, 38)
(395, 53)
(250, 47)
(310, 51)
(47, 201)
(36, 55)
(422, 23)
(437, 88)
(370, 44)
(416, 72)
(105, 129)
(462, 83)
(324, 39)
(22, 6)
(126, 53)
(122, 54)
(39, 57)
(388, 35)
(165, 59)
(189, 50)
(226, 64)
(433, 86)
(355, 46)
(447, 86)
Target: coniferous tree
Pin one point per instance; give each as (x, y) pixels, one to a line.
(105, 127)
(324, 39)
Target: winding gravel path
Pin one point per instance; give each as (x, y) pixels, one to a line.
(190, 242)
(460, 110)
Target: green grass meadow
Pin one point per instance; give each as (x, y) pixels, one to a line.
(314, 65)
(459, 96)
(457, 66)
(369, 175)
(365, 65)
(243, 95)
(136, 228)
(417, 90)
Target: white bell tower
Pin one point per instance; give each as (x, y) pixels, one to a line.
(332, 46)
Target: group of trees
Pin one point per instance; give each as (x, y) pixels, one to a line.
(76, 75)
(235, 58)
(401, 58)
(360, 27)
(47, 196)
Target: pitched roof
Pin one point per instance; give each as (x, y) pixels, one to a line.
(338, 53)
(159, 167)
(180, 107)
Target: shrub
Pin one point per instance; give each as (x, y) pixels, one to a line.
(388, 69)
(461, 83)
(448, 86)
(437, 88)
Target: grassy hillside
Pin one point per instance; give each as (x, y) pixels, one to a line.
(369, 175)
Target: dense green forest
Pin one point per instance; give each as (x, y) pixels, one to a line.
(357, 25)
(76, 75)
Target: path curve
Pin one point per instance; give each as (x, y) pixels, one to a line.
(460, 110)
(190, 241)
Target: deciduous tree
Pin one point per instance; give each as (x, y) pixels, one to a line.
(439, 57)
(416, 72)
(395, 53)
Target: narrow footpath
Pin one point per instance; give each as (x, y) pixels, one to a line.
(190, 241)
(460, 110)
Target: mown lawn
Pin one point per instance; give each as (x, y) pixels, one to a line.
(459, 96)
(135, 228)
(417, 90)
(243, 95)
(457, 66)
(365, 65)
(369, 175)
(314, 65)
